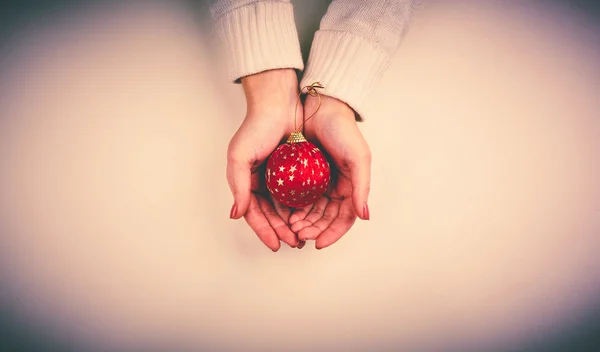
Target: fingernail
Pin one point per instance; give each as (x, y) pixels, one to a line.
(301, 244)
(366, 214)
(233, 211)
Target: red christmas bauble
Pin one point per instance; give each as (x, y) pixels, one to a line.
(297, 172)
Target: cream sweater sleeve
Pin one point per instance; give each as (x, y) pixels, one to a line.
(349, 53)
(258, 35)
(354, 45)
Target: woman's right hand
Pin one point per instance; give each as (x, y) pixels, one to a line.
(271, 98)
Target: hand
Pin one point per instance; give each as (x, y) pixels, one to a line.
(335, 131)
(271, 100)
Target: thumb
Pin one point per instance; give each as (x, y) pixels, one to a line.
(360, 176)
(238, 177)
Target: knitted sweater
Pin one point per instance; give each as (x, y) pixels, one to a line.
(349, 53)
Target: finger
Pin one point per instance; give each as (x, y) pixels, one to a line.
(277, 224)
(259, 185)
(330, 214)
(313, 216)
(239, 179)
(283, 211)
(340, 225)
(300, 214)
(260, 225)
(360, 176)
(301, 244)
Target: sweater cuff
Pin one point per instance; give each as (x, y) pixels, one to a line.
(347, 65)
(258, 37)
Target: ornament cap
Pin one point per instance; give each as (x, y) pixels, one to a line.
(296, 137)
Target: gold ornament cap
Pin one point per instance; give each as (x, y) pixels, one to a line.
(296, 137)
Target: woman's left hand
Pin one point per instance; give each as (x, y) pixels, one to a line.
(334, 129)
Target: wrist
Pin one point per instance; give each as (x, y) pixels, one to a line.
(328, 106)
(271, 90)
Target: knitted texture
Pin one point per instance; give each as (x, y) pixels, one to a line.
(353, 47)
(257, 36)
(349, 54)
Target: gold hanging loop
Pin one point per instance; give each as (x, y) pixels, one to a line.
(312, 91)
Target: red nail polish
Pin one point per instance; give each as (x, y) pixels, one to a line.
(233, 211)
(366, 214)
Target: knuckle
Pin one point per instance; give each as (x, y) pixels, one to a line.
(366, 154)
(235, 151)
(233, 155)
(360, 158)
(231, 147)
